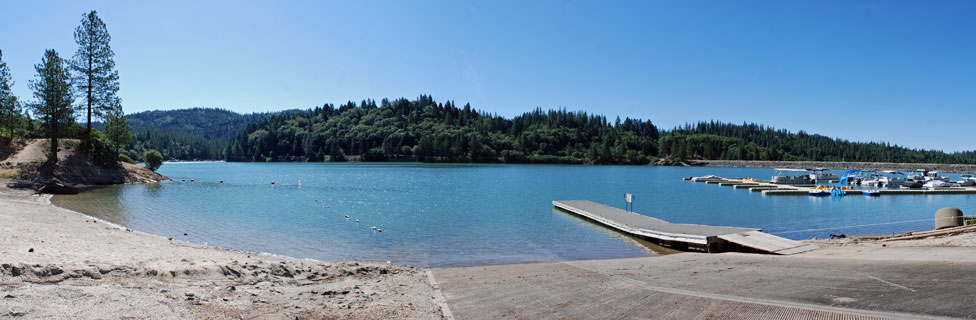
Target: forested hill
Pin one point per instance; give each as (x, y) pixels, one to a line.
(186, 134)
(725, 141)
(425, 130)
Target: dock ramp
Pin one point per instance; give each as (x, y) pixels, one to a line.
(685, 236)
(767, 243)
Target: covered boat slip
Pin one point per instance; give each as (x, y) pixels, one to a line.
(684, 236)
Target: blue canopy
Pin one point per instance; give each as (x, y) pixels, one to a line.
(852, 171)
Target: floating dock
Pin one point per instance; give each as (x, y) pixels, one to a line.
(683, 236)
(773, 189)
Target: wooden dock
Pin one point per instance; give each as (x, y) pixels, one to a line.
(683, 236)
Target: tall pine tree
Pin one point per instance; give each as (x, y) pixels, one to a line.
(117, 127)
(94, 69)
(53, 92)
(10, 117)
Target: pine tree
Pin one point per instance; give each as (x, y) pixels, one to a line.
(10, 113)
(94, 67)
(117, 127)
(53, 94)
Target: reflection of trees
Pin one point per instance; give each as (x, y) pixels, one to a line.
(103, 203)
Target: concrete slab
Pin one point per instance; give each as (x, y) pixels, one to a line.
(728, 285)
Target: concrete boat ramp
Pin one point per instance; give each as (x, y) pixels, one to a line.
(683, 236)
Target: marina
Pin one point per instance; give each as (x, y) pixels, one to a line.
(804, 185)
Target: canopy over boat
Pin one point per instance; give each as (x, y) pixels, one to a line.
(852, 171)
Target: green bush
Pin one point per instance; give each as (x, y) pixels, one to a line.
(125, 158)
(102, 151)
(153, 159)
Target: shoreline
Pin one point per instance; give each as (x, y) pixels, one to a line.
(56, 262)
(837, 165)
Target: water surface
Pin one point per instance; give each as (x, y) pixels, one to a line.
(454, 215)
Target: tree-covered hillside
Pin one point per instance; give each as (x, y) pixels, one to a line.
(425, 130)
(186, 134)
(725, 141)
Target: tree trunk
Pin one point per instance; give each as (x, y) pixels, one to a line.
(54, 137)
(87, 135)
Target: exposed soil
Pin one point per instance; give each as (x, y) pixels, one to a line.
(25, 161)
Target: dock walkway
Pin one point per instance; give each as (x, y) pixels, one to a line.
(690, 236)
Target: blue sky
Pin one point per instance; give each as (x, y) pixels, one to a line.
(894, 71)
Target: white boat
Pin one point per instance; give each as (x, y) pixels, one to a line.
(915, 179)
(934, 175)
(872, 180)
(938, 184)
(819, 193)
(871, 193)
(791, 176)
(708, 177)
(967, 181)
(820, 175)
(891, 179)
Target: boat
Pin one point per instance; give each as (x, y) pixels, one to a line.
(891, 179)
(967, 181)
(934, 175)
(939, 184)
(819, 192)
(871, 192)
(851, 177)
(871, 180)
(791, 176)
(819, 175)
(708, 177)
(915, 179)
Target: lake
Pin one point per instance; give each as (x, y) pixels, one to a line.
(439, 215)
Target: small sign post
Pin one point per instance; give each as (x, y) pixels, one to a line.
(630, 202)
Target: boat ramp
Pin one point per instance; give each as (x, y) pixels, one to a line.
(683, 236)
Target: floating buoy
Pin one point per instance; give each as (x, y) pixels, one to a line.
(347, 216)
(379, 230)
(357, 220)
(374, 227)
(272, 182)
(327, 206)
(193, 180)
(184, 180)
(316, 201)
(221, 181)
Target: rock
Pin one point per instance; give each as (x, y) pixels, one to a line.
(55, 186)
(30, 250)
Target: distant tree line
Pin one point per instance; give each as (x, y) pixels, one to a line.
(425, 130)
(726, 141)
(185, 134)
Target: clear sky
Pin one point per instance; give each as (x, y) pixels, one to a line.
(894, 71)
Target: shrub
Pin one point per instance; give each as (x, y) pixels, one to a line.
(153, 159)
(125, 158)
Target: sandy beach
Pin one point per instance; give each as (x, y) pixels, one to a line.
(56, 263)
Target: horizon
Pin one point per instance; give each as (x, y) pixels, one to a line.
(668, 63)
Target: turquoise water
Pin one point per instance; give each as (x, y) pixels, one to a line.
(454, 215)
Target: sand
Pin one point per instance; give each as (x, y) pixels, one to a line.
(56, 263)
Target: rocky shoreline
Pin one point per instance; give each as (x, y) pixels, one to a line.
(940, 167)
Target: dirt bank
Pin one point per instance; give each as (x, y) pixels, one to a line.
(25, 161)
